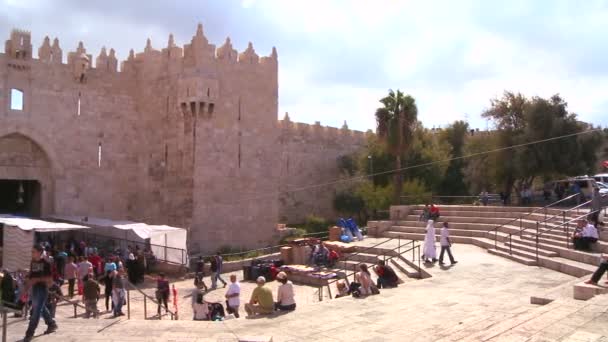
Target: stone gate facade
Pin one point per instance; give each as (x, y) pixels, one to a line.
(186, 136)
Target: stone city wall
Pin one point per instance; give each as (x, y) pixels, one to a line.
(185, 136)
(309, 155)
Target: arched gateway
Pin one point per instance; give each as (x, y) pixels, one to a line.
(26, 176)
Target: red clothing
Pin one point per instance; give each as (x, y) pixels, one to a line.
(434, 209)
(95, 260)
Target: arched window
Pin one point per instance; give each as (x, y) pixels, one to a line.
(16, 99)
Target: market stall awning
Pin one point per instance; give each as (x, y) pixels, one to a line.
(143, 230)
(36, 225)
(168, 243)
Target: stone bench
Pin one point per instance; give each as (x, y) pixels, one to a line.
(584, 291)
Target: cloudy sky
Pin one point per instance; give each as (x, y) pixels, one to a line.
(337, 58)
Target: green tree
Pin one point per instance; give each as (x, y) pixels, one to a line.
(522, 120)
(374, 159)
(480, 172)
(349, 203)
(453, 183)
(425, 152)
(396, 120)
(375, 198)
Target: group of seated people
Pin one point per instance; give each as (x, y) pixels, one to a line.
(261, 301)
(429, 212)
(322, 256)
(363, 285)
(584, 235)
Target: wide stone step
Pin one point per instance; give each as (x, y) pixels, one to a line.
(567, 266)
(556, 211)
(439, 224)
(546, 240)
(453, 232)
(541, 217)
(530, 254)
(523, 260)
(492, 208)
(363, 257)
(568, 253)
(403, 267)
(495, 221)
(584, 291)
(517, 246)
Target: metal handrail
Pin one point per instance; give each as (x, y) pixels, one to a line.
(567, 223)
(570, 221)
(348, 257)
(391, 257)
(400, 254)
(495, 230)
(4, 311)
(563, 214)
(147, 296)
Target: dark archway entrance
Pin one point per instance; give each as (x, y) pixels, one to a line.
(20, 197)
(26, 181)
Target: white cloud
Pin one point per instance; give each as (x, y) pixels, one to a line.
(338, 58)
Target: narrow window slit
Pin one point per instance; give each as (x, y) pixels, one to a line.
(99, 155)
(16, 99)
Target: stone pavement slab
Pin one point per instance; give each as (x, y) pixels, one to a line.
(483, 298)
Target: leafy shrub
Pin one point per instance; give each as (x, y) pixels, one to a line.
(316, 224)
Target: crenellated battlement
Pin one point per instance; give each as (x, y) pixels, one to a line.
(317, 132)
(197, 53)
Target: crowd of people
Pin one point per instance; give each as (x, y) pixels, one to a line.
(81, 268)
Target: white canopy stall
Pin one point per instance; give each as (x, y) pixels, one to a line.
(166, 242)
(19, 237)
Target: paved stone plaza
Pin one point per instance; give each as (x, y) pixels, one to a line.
(482, 298)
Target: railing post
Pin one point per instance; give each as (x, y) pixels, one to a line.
(510, 245)
(128, 304)
(496, 238)
(520, 227)
(537, 241)
(563, 216)
(419, 268)
(145, 307)
(567, 237)
(4, 322)
(75, 313)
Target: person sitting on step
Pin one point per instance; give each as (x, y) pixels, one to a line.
(285, 295)
(261, 301)
(589, 236)
(386, 275)
(577, 236)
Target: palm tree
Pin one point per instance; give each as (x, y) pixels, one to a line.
(396, 121)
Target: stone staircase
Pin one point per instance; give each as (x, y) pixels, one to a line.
(515, 239)
(404, 267)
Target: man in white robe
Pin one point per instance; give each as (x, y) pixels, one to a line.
(429, 251)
